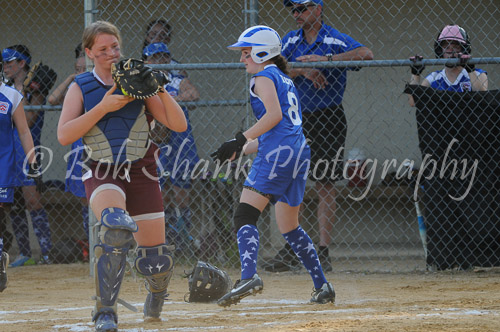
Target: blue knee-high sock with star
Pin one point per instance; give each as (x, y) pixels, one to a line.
(21, 231)
(248, 245)
(303, 247)
(41, 227)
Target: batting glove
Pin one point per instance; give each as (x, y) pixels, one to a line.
(417, 67)
(226, 150)
(464, 62)
(34, 172)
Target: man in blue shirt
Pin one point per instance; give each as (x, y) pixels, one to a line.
(320, 93)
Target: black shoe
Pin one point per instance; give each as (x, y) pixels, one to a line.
(324, 259)
(285, 260)
(4, 262)
(106, 321)
(153, 306)
(324, 294)
(242, 289)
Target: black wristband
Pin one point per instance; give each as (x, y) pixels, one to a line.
(33, 170)
(240, 138)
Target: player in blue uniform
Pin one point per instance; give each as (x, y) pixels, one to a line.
(120, 177)
(279, 171)
(16, 60)
(320, 91)
(452, 42)
(446, 245)
(12, 120)
(178, 154)
(73, 178)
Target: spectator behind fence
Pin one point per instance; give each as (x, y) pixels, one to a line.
(159, 31)
(6, 236)
(178, 153)
(73, 179)
(446, 218)
(127, 201)
(16, 60)
(12, 121)
(320, 94)
(274, 101)
(451, 42)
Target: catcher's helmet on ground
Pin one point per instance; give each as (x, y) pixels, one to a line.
(452, 33)
(207, 283)
(264, 41)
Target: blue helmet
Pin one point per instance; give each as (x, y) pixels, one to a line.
(289, 3)
(154, 48)
(264, 41)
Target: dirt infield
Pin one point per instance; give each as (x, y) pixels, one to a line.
(57, 298)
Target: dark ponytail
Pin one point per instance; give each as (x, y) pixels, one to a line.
(281, 63)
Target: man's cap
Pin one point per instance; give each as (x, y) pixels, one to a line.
(9, 55)
(154, 48)
(289, 3)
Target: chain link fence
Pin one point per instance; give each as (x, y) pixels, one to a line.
(374, 219)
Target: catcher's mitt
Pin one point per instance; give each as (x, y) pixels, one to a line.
(40, 78)
(207, 283)
(137, 80)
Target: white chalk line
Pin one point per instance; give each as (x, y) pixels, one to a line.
(247, 310)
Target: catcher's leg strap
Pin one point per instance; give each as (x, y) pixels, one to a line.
(115, 236)
(156, 264)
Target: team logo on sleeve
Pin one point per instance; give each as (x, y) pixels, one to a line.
(4, 107)
(466, 86)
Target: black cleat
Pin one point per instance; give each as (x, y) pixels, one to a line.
(242, 289)
(324, 294)
(4, 262)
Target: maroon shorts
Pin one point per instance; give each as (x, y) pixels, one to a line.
(138, 182)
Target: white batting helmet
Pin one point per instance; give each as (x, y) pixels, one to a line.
(264, 41)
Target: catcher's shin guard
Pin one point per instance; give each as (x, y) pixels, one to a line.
(156, 264)
(115, 235)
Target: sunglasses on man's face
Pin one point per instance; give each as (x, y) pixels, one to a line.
(300, 9)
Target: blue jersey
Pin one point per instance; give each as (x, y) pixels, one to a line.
(36, 132)
(182, 143)
(329, 40)
(10, 99)
(288, 132)
(439, 81)
(283, 157)
(73, 181)
(179, 155)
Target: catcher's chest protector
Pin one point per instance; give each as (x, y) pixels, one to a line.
(119, 136)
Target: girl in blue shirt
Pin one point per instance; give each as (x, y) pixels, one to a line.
(279, 171)
(452, 42)
(12, 118)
